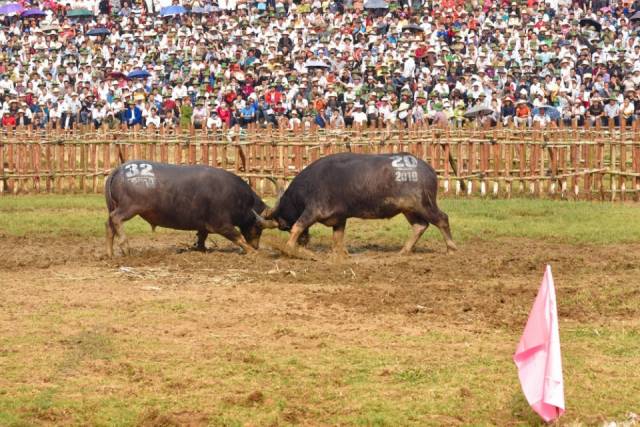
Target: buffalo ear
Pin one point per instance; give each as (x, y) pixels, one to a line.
(265, 223)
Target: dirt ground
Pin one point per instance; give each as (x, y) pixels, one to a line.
(485, 285)
(491, 282)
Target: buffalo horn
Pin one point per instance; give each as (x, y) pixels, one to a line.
(268, 212)
(279, 188)
(264, 223)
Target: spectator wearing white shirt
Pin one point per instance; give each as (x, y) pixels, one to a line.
(359, 116)
(612, 111)
(541, 119)
(98, 114)
(214, 121)
(73, 103)
(626, 110)
(55, 112)
(153, 120)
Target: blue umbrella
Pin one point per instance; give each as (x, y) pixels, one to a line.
(11, 9)
(98, 31)
(138, 74)
(172, 10)
(31, 13)
(549, 110)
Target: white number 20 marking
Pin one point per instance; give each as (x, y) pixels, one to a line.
(403, 162)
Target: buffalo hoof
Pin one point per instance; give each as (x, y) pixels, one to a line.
(299, 252)
(451, 248)
(193, 248)
(248, 251)
(339, 257)
(339, 253)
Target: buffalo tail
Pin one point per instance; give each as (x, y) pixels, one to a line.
(111, 204)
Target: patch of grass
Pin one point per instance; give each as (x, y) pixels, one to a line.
(561, 222)
(564, 222)
(412, 375)
(54, 215)
(440, 377)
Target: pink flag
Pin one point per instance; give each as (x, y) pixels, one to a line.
(538, 354)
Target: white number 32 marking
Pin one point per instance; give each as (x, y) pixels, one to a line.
(140, 174)
(141, 169)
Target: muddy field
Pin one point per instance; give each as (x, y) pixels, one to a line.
(490, 283)
(190, 338)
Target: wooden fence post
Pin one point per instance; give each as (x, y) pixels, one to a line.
(586, 155)
(497, 154)
(508, 161)
(612, 160)
(61, 169)
(622, 185)
(35, 163)
(471, 164)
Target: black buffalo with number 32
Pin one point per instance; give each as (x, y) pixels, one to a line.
(368, 186)
(200, 198)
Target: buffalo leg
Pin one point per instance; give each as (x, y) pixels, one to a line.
(202, 237)
(338, 239)
(236, 237)
(115, 226)
(297, 230)
(441, 220)
(304, 238)
(111, 231)
(418, 227)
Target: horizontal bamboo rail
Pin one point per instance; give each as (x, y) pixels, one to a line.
(562, 162)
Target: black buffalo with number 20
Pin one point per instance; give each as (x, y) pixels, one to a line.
(369, 186)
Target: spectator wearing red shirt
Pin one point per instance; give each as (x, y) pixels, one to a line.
(8, 120)
(273, 96)
(229, 97)
(170, 105)
(28, 97)
(247, 89)
(225, 114)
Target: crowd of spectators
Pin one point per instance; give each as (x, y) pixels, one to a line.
(326, 63)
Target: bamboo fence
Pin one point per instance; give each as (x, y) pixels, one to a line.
(568, 162)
